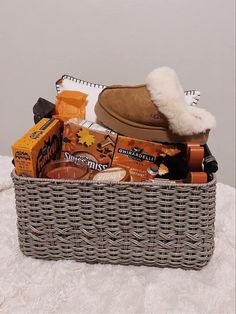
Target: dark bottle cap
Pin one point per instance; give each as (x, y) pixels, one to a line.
(210, 164)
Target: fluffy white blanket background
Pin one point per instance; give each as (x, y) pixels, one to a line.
(34, 286)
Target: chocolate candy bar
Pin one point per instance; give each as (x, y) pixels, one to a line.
(43, 109)
(144, 159)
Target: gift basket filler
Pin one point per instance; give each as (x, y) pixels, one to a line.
(118, 174)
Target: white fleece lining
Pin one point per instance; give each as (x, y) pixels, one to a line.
(168, 95)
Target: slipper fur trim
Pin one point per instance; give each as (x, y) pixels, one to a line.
(168, 95)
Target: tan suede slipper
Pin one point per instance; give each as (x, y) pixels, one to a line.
(151, 113)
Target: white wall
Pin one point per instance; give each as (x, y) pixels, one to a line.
(111, 41)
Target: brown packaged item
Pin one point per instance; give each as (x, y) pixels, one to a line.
(139, 157)
(37, 147)
(89, 143)
(70, 104)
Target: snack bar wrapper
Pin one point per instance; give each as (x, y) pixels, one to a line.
(70, 104)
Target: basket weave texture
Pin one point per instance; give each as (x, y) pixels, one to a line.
(165, 225)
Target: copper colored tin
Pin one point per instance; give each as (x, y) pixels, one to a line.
(197, 177)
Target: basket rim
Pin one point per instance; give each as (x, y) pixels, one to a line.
(91, 182)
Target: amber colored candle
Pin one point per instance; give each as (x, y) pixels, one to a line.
(65, 170)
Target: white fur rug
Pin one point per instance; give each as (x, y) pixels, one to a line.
(34, 286)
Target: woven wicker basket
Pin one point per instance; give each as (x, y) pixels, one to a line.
(126, 223)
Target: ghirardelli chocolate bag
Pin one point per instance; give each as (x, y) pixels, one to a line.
(145, 160)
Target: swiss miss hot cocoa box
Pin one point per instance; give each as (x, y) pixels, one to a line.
(37, 147)
(88, 143)
(143, 159)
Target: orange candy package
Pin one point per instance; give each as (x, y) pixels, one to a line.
(37, 147)
(70, 104)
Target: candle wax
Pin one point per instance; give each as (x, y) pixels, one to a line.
(65, 172)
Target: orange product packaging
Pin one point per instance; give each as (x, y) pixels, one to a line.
(89, 143)
(37, 147)
(139, 156)
(70, 104)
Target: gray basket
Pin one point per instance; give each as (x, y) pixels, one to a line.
(125, 223)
